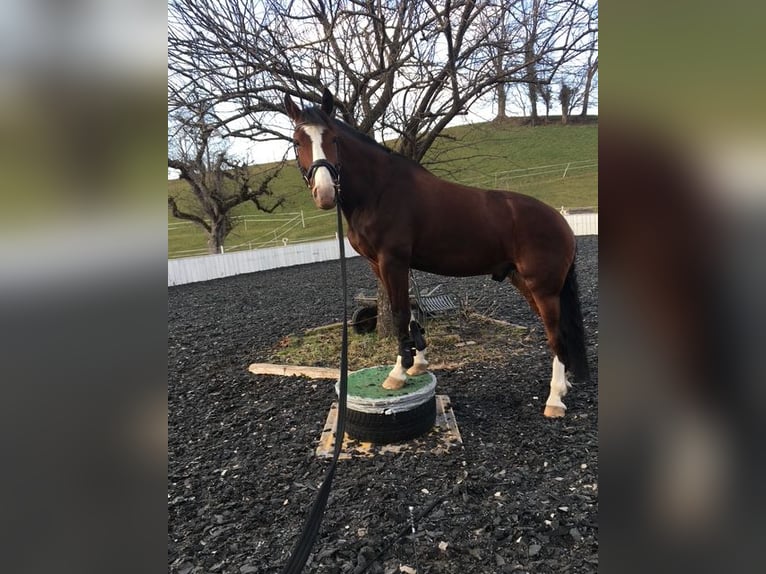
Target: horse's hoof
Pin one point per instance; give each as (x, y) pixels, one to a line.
(554, 412)
(416, 370)
(393, 384)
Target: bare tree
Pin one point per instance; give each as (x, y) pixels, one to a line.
(580, 75)
(534, 27)
(217, 182)
(530, 25)
(590, 74)
(591, 66)
(565, 97)
(546, 94)
(399, 70)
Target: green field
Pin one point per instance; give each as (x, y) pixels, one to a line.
(531, 160)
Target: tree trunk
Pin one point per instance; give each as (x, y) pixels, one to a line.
(216, 237)
(501, 102)
(385, 328)
(213, 244)
(530, 57)
(565, 97)
(585, 98)
(533, 102)
(588, 83)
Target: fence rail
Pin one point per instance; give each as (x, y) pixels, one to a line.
(499, 177)
(275, 236)
(205, 268)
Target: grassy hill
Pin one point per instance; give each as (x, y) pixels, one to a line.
(531, 160)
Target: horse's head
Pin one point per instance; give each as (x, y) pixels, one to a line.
(315, 148)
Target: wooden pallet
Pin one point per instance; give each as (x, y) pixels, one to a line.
(444, 436)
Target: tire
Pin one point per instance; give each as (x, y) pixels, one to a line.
(361, 418)
(364, 320)
(396, 427)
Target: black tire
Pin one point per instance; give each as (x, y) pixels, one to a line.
(364, 320)
(397, 427)
(375, 420)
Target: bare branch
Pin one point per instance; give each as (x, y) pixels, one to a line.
(408, 66)
(177, 213)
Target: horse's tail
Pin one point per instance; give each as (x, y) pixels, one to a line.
(571, 333)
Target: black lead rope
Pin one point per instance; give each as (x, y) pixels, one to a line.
(302, 549)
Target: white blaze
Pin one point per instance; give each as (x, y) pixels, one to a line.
(323, 185)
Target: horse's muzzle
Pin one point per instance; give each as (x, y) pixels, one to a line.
(324, 196)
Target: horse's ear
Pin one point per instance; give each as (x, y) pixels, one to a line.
(292, 110)
(328, 103)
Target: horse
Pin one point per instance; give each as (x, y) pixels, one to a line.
(401, 217)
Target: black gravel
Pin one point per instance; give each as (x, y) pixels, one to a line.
(521, 495)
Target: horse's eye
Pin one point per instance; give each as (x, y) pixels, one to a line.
(296, 143)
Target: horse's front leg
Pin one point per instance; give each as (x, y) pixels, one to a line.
(421, 365)
(394, 277)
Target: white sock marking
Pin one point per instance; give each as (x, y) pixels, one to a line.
(420, 359)
(559, 385)
(398, 372)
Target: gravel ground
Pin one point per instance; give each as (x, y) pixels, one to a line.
(521, 495)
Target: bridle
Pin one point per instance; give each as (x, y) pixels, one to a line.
(334, 169)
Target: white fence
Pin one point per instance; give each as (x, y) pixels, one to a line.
(207, 267)
(506, 179)
(583, 223)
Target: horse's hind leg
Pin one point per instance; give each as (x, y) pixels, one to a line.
(521, 285)
(549, 311)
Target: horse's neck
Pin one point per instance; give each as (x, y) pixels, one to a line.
(359, 191)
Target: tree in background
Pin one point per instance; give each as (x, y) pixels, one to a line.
(533, 25)
(565, 97)
(590, 77)
(498, 60)
(581, 76)
(546, 94)
(530, 25)
(399, 71)
(218, 183)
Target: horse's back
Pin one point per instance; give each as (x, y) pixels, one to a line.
(460, 230)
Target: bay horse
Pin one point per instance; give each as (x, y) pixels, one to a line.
(402, 217)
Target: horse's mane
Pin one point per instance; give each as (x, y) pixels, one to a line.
(314, 115)
(356, 134)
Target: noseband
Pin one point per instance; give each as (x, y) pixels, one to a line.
(334, 173)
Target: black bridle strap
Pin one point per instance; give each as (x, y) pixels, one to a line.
(322, 163)
(303, 546)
